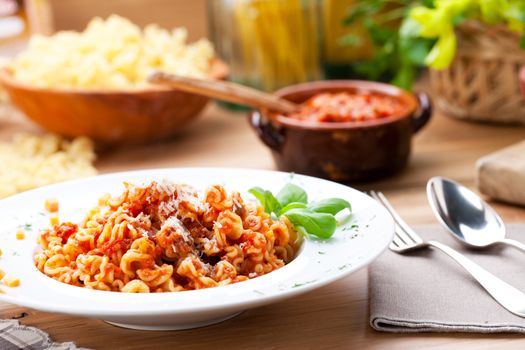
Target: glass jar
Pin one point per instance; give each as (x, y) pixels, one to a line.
(40, 16)
(14, 29)
(339, 56)
(268, 44)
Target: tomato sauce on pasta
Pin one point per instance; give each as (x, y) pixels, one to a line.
(164, 238)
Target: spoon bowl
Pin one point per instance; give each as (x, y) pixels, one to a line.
(465, 215)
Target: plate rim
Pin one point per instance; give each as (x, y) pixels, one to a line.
(256, 300)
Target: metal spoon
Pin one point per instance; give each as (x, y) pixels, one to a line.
(464, 214)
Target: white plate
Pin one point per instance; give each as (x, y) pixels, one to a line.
(355, 244)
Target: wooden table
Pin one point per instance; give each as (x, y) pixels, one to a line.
(332, 317)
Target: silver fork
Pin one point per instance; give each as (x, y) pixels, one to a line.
(406, 240)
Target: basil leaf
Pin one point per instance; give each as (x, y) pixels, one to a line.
(266, 198)
(291, 193)
(259, 194)
(321, 225)
(272, 204)
(330, 206)
(293, 205)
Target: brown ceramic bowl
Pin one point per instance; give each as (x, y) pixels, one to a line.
(348, 151)
(109, 116)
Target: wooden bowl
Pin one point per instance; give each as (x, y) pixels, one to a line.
(345, 152)
(109, 116)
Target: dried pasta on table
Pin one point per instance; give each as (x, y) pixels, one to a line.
(30, 161)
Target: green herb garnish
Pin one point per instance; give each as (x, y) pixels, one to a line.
(298, 284)
(314, 218)
(321, 225)
(342, 267)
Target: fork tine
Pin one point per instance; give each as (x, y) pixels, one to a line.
(386, 203)
(404, 231)
(404, 236)
(398, 240)
(398, 243)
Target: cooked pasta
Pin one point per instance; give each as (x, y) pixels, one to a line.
(163, 237)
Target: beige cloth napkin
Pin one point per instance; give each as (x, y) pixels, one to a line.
(14, 336)
(427, 291)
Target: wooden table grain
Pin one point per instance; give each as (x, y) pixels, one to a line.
(333, 317)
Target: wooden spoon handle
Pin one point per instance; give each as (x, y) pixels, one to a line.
(226, 91)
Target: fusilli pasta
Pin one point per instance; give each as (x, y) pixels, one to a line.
(163, 238)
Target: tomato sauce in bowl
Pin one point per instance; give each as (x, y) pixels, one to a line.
(347, 106)
(345, 130)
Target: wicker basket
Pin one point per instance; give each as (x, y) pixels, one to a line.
(482, 82)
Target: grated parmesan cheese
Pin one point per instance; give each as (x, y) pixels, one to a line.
(186, 193)
(207, 268)
(166, 186)
(175, 223)
(236, 203)
(166, 208)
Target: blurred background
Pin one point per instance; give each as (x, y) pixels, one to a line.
(465, 54)
(274, 43)
(75, 14)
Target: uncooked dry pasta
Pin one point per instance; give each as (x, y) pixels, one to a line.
(163, 237)
(111, 54)
(30, 161)
(278, 41)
